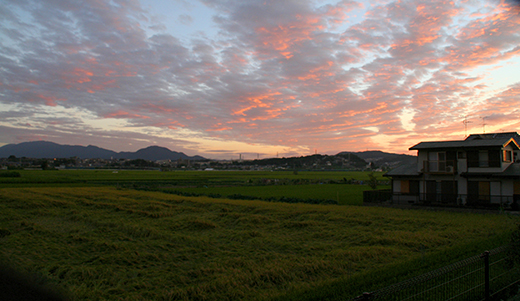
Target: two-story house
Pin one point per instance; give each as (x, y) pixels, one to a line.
(483, 169)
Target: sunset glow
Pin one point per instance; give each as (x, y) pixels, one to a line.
(222, 78)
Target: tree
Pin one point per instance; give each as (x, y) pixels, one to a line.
(372, 182)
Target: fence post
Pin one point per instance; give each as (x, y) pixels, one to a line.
(487, 293)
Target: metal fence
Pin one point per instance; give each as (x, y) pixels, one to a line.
(447, 199)
(483, 277)
(377, 196)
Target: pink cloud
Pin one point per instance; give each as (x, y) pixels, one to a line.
(299, 73)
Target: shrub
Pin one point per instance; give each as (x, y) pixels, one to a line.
(10, 174)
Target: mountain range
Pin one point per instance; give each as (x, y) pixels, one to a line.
(380, 158)
(45, 149)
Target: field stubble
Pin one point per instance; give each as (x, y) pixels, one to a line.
(107, 243)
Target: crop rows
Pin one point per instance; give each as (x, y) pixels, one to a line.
(102, 243)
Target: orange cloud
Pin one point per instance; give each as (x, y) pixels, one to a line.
(219, 128)
(78, 75)
(50, 100)
(318, 72)
(351, 113)
(256, 102)
(282, 37)
(158, 108)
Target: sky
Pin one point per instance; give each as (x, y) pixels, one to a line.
(257, 78)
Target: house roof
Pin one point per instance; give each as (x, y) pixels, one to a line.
(470, 142)
(493, 135)
(408, 170)
(512, 171)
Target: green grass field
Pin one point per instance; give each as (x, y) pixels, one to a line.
(189, 178)
(105, 243)
(251, 184)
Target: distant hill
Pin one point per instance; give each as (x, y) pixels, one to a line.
(314, 161)
(154, 153)
(386, 159)
(45, 149)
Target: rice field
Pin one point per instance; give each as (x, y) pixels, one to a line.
(105, 243)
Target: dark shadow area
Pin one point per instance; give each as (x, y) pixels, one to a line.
(15, 286)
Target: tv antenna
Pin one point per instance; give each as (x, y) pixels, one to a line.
(484, 124)
(466, 121)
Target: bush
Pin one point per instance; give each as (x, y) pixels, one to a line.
(10, 174)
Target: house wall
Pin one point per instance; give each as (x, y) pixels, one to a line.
(396, 186)
(495, 190)
(399, 198)
(463, 185)
(486, 169)
(462, 165)
(508, 187)
(421, 157)
(498, 190)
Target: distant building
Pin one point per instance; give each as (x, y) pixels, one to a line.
(483, 169)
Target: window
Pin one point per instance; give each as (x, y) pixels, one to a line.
(483, 191)
(410, 187)
(494, 158)
(507, 156)
(479, 191)
(436, 161)
(405, 186)
(449, 191)
(483, 158)
(473, 158)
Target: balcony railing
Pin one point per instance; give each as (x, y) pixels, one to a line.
(484, 163)
(447, 166)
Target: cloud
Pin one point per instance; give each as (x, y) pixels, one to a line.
(185, 19)
(291, 74)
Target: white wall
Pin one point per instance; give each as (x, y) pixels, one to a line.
(462, 165)
(421, 157)
(397, 186)
(495, 190)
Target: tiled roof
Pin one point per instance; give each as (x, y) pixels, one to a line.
(485, 140)
(512, 171)
(403, 170)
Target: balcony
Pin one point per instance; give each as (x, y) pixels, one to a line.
(440, 167)
(484, 163)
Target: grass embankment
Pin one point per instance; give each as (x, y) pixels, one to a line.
(103, 243)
